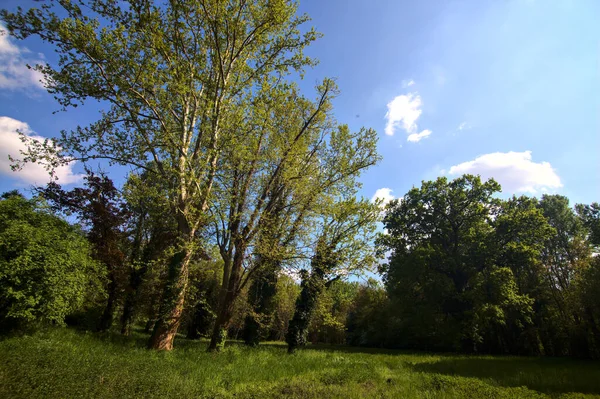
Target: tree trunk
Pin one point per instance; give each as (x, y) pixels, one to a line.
(109, 310)
(127, 318)
(219, 334)
(261, 299)
(227, 297)
(312, 286)
(135, 278)
(171, 309)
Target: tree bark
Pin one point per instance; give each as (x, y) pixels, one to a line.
(227, 297)
(171, 310)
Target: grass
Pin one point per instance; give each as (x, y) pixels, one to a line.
(64, 363)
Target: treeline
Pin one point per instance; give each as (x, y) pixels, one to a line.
(462, 271)
(470, 272)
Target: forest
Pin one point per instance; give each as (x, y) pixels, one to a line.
(240, 222)
(461, 271)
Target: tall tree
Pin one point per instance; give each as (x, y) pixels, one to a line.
(437, 236)
(520, 234)
(293, 149)
(344, 246)
(151, 233)
(566, 251)
(171, 76)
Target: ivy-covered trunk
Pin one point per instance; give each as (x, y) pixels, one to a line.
(135, 282)
(227, 297)
(311, 287)
(173, 301)
(261, 298)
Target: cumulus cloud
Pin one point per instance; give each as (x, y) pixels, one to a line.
(416, 137)
(385, 194)
(11, 144)
(14, 74)
(407, 83)
(403, 111)
(515, 171)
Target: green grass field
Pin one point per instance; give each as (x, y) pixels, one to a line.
(64, 363)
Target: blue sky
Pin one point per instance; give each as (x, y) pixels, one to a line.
(504, 88)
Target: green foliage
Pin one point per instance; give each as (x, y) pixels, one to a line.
(202, 296)
(63, 363)
(285, 299)
(369, 320)
(333, 306)
(590, 216)
(471, 272)
(46, 269)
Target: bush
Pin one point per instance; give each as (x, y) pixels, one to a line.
(46, 271)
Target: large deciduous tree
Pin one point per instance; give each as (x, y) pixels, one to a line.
(294, 157)
(343, 246)
(172, 77)
(449, 274)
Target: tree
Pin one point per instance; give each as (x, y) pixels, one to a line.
(566, 252)
(285, 298)
(46, 269)
(295, 156)
(590, 216)
(437, 238)
(151, 234)
(172, 77)
(202, 299)
(328, 323)
(586, 304)
(520, 234)
(369, 319)
(343, 246)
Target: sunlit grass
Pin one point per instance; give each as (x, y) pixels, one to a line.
(64, 363)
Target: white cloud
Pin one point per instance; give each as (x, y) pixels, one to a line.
(515, 171)
(407, 83)
(31, 173)
(416, 137)
(384, 194)
(403, 111)
(14, 74)
(464, 126)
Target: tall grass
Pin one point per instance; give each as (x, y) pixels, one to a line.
(64, 363)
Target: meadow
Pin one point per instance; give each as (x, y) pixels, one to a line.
(67, 363)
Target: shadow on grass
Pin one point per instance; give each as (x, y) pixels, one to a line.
(351, 349)
(546, 375)
(551, 376)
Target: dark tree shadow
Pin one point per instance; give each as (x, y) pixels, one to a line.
(321, 347)
(546, 375)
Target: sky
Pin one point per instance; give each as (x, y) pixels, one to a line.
(508, 89)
